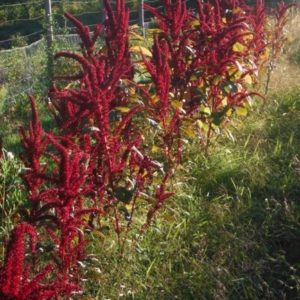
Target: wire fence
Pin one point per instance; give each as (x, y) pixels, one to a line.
(23, 45)
(24, 69)
(23, 58)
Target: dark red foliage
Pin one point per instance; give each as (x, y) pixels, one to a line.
(15, 281)
(206, 59)
(87, 169)
(173, 20)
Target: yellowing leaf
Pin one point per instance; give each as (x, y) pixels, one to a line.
(231, 70)
(123, 109)
(85, 217)
(194, 23)
(201, 84)
(216, 80)
(224, 101)
(131, 91)
(248, 79)
(238, 47)
(176, 104)
(234, 72)
(139, 49)
(205, 109)
(229, 112)
(203, 126)
(194, 77)
(98, 234)
(266, 54)
(129, 206)
(189, 132)
(141, 66)
(154, 30)
(237, 10)
(248, 37)
(134, 98)
(154, 99)
(134, 27)
(155, 149)
(136, 36)
(241, 111)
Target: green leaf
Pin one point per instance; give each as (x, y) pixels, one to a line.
(248, 79)
(205, 110)
(123, 109)
(203, 126)
(229, 86)
(218, 117)
(241, 111)
(139, 49)
(150, 267)
(124, 195)
(194, 23)
(238, 47)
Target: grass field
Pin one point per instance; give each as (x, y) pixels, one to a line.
(233, 229)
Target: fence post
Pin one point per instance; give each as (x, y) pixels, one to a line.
(48, 8)
(142, 16)
(49, 38)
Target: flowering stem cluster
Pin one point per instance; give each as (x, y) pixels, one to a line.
(97, 169)
(205, 61)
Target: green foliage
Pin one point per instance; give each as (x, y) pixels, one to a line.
(295, 57)
(12, 193)
(18, 40)
(29, 18)
(23, 71)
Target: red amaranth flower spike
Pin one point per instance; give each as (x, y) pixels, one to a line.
(174, 19)
(34, 144)
(88, 41)
(160, 72)
(14, 275)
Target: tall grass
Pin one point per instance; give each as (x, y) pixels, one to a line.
(234, 229)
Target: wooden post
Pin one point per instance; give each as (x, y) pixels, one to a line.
(142, 16)
(48, 8)
(49, 38)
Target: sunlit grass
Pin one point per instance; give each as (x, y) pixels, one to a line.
(231, 232)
